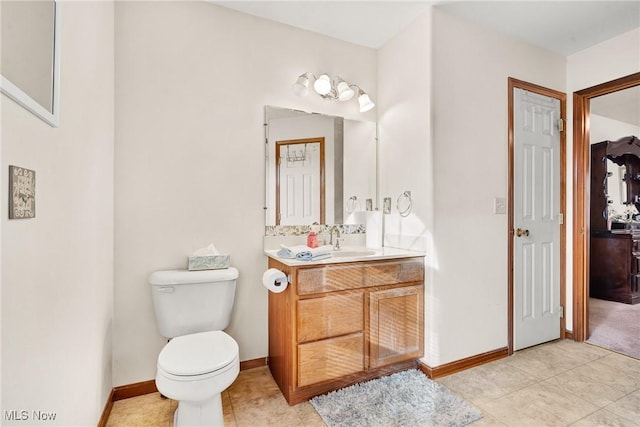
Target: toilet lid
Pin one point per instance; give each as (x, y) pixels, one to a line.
(198, 354)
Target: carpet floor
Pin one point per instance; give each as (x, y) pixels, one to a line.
(615, 326)
(406, 398)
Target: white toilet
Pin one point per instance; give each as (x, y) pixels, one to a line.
(193, 307)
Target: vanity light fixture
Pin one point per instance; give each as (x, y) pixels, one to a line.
(336, 89)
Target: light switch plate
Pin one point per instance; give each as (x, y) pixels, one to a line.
(386, 205)
(499, 206)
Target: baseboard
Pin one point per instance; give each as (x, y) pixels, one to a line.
(106, 411)
(463, 364)
(133, 390)
(147, 387)
(253, 363)
(568, 335)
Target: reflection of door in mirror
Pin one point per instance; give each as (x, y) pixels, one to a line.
(300, 181)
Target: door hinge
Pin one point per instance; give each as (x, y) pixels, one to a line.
(562, 312)
(561, 218)
(561, 124)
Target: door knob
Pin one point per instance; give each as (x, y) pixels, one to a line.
(520, 232)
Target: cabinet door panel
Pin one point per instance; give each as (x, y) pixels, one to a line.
(329, 359)
(396, 325)
(330, 316)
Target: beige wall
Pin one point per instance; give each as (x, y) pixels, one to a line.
(465, 139)
(470, 73)
(57, 269)
(406, 146)
(192, 81)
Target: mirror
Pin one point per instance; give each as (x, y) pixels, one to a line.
(613, 116)
(319, 168)
(618, 205)
(30, 58)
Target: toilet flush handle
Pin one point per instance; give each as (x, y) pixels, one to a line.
(167, 289)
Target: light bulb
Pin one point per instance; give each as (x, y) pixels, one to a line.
(365, 102)
(345, 93)
(323, 84)
(301, 86)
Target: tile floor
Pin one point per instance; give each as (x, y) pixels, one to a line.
(557, 384)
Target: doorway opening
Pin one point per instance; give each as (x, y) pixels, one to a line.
(582, 197)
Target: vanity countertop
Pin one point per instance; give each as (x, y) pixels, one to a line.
(350, 254)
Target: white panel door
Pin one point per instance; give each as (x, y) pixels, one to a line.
(299, 166)
(536, 275)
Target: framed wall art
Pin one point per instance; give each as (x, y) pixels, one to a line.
(22, 193)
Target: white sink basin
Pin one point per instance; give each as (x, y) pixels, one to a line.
(353, 253)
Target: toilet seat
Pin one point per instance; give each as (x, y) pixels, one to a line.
(198, 354)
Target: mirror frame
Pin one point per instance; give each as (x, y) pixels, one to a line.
(26, 101)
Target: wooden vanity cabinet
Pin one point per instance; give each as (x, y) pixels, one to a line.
(338, 324)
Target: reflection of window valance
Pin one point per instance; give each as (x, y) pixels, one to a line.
(623, 147)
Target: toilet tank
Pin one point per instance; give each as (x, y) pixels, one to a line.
(187, 302)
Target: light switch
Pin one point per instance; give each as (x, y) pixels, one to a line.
(499, 206)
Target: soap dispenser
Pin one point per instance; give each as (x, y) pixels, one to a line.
(312, 238)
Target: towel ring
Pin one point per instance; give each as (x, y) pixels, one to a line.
(404, 203)
(352, 204)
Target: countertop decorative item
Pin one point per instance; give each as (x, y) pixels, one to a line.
(22, 193)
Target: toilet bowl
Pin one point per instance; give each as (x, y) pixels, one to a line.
(194, 369)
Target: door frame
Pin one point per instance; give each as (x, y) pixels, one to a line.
(581, 175)
(513, 84)
(279, 144)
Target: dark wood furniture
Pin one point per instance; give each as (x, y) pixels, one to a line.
(615, 259)
(615, 255)
(339, 324)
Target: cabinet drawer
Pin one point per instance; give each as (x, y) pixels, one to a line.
(390, 273)
(329, 359)
(330, 316)
(331, 278)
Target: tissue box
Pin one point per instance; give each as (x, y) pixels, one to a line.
(208, 262)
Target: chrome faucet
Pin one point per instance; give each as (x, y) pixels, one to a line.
(336, 244)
